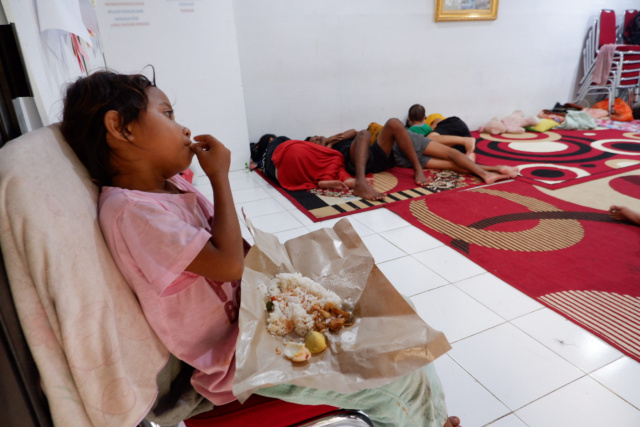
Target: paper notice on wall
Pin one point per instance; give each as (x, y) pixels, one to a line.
(89, 17)
(69, 29)
(185, 6)
(126, 14)
(62, 15)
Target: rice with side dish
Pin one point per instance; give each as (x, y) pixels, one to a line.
(293, 297)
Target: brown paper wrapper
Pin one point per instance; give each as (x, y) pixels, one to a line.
(387, 341)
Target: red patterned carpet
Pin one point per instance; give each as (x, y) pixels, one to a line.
(560, 158)
(397, 183)
(550, 245)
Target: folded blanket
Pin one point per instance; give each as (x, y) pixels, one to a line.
(414, 400)
(95, 352)
(578, 120)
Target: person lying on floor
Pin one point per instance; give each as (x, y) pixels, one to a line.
(396, 146)
(451, 131)
(303, 165)
(182, 255)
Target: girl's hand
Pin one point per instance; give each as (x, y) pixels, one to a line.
(214, 157)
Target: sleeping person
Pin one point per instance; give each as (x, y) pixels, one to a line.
(303, 165)
(451, 131)
(397, 146)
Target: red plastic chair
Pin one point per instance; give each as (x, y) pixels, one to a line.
(607, 28)
(624, 73)
(259, 410)
(629, 15)
(601, 32)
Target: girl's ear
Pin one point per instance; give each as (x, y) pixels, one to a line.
(114, 127)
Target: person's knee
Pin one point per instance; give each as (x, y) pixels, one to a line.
(363, 134)
(394, 124)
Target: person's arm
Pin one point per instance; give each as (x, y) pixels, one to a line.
(348, 134)
(222, 258)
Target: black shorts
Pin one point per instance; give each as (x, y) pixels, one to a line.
(420, 143)
(454, 126)
(378, 160)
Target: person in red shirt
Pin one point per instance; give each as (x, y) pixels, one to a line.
(303, 165)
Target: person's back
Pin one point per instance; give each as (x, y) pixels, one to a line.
(416, 120)
(154, 237)
(421, 129)
(303, 165)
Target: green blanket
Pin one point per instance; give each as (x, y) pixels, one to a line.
(416, 400)
(578, 120)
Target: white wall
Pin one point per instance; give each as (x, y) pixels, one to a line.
(48, 74)
(324, 67)
(195, 57)
(241, 68)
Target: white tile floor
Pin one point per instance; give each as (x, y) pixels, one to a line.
(514, 363)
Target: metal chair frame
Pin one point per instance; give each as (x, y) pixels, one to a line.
(624, 74)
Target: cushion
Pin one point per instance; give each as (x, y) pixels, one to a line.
(543, 125)
(97, 356)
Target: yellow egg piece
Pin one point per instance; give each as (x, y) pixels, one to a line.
(296, 352)
(315, 342)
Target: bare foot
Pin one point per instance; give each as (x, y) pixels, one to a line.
(492, 177)
(371, 181)
(510, 171)
(623, 213)
(419, 177)
(362, 189)
(452, 422)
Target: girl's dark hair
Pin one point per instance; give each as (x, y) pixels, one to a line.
(87, 101)
(416, 113)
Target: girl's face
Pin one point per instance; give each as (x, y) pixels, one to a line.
(163, 143)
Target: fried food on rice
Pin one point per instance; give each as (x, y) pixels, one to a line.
(299, 304)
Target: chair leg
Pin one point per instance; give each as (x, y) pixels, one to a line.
(611, 103)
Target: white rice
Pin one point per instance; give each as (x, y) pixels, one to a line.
(294, 296)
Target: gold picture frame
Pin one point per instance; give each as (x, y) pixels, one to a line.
(466, 10)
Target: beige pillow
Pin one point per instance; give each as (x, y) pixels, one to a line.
(96, 354)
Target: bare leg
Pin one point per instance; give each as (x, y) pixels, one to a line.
(359, 156)
(451, 140)
(394, 132)
(623, 213)
(462, 163)
(508, 171)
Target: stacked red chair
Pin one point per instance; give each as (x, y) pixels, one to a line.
(610, 66)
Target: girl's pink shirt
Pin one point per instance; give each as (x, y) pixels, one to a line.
(153, 237)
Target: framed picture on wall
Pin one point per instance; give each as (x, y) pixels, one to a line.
(466, 10)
